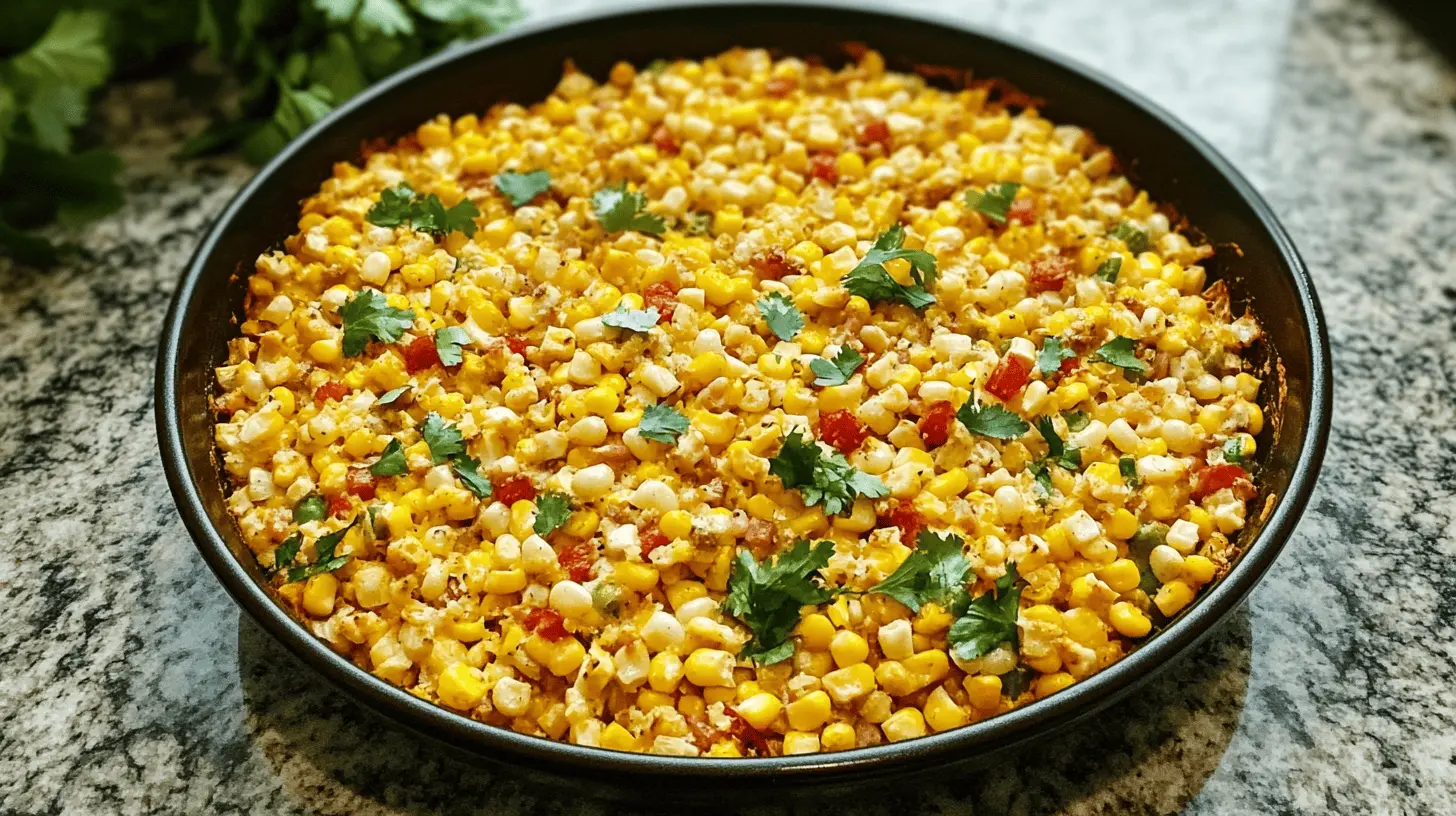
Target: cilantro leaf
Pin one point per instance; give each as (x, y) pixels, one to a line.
(444, 439)
(1233, 451)
(766, 597)
(620, 209)
(467, 470)
(447, 344)
(1058, 451)
(989, 621)
(1049, 359)
(391, 462)
(1043, 478)
(934, 571)
(325, 561)
(1120, 352)
(1109, 269)
(1127, 467)
(392, 395)
(822, 478)
(57, 73)
(782, 317)
(393, 207)
(1076, 420)
(662, 423)
(552, 511)
(312, 508)
(991, 421)
(287, 551)
(874, 284)
(633, 320)
(521, 188)
(368, 315)
(839, 370)
(400, 205)
(888, 247)
(1137, 240)
(994, 201)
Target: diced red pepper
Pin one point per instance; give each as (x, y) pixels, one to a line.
(1022, 211)
(842, 431)
(1048, 274)
(825, 166)
(517, 344)
(651, 538)
(773, 265)
(338, 505)
(875, 131)
(331, 390)
(420, 354)
(780, 87)
(663, 296)
(935, 425)
(547, 623)
(1069, 365)
(908, 519)
(360, 482)
(752, 738)
(1214, 478)
(576, 558)
(513, 489)
(664, 142)
(1008, 378)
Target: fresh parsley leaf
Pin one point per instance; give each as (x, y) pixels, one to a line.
(620, 209)
(325, 561)
(444, 439)
(989, 621)
(1076, 420)
(889, 246)
(662, 423)
(782, 317)
(1058, 451)
(822, 478)
(633, 320)
(392, 395)
(393, 207)
(1127, 467)
(994, 201)
(839, 370)
(1049, 359)
(284, 556)
(521, 188)
(874, 284)
(934, 571)
(391, 462)
(467, 470)
(766, 596)
(1137, 241)
(1109, 269)
(447, 344)
(368, 315)
(1233, 451)
(991, 421)
(312, 508)
(1120, 352)
(552, 511)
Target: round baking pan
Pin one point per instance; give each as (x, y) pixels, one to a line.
(1255, 258)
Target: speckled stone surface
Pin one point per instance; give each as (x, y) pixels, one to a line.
(129, 683)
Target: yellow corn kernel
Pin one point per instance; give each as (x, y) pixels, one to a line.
(1122, 525)
(319, 594)
(561, 657)
(705, 368)
(1198, 569)
(505, 582)
(837, 737)
(760, 710)
(809, 712)
(1121, 575)
(691, 705)
(801, 742)
(460, 686)
(582, 524)
(949, 484)
(848, 648)
(849, 683)
(1172, 597)
(907, 723)
(1128, 620)
(1070, 395)
(622, 421)
(943, 713)
(636, 577)
(664, 672)
(717, 429)
(1160, 503)
(983, 691)
(467, 631)
(728, 220)
(600, 401)
(359, 444)
(676, 524)
(617, 738)
(1203, 519)
(647, 699)
(776, 366)
(680, 592)
(285, 399)
(326, 351)
(709, 668)
(719, 694)
(1084, 626)
(806, 253)
(810, 521)
(1212, 417)
(932, 618)
(1049, 684)
(762, 507)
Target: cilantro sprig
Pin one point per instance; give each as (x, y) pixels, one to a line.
(822, 478)
(1233, 451)
(1058, 451)
(989, 620)
(444, 439)
(467, 470)
(324, 561)
(836, 371)
(619, 209)
(991, 421)
(662, 423)
(781, 315)
(448, 343)
(392, 396)
(767, 596)
(521, 188)
(367, 316)
(552, 510)
(401, 205)
(1121, 352)
(311, 508)
(1053, 352)
(933, 572)
(994, 201)
(1109, 269)
(391, 462)
(870, 280)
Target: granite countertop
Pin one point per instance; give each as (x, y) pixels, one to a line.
(130, 683)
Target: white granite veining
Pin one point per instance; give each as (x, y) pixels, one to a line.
(129, 683)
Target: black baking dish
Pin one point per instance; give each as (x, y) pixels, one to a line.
(1256, 258)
